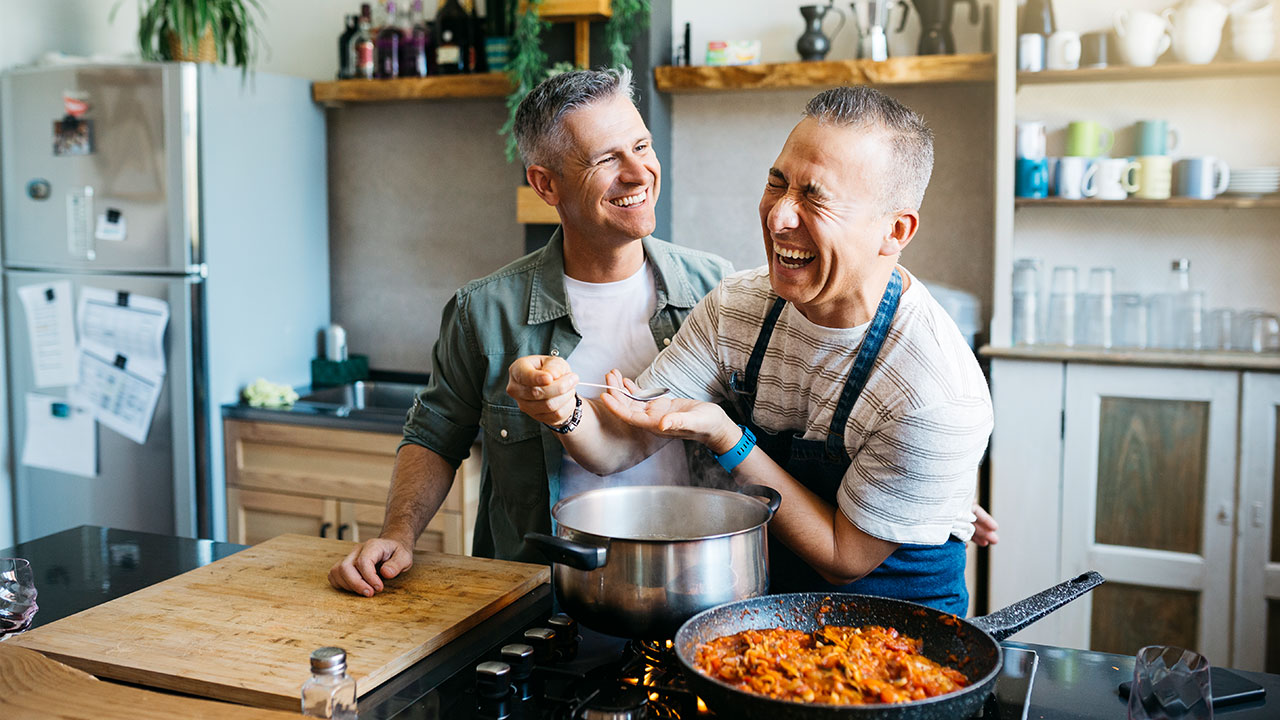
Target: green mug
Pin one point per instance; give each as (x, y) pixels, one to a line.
(1086, 138)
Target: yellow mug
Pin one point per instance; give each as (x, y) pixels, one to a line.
(1155, 177)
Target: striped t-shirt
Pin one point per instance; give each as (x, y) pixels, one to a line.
(917, 432)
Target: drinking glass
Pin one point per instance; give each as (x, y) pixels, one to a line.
(1170, 683)
(1061, 324)
(1130, 321)
(1160, 333)
(1218, 329)
(1265, 335)
(17, 596)
(1099, 308)
(1242, 331)
(1026, 295)
(1188, 320)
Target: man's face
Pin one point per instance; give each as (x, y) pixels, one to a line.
(610, 176)
(823, 214)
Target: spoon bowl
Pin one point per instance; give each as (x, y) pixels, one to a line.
(643, 395)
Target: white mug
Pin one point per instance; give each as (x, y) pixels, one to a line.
(1116, 178)
(1075, 177)
(1030, 52)
(1062, 51)
(1144, 36)
(1196, 30)
(1031, 140)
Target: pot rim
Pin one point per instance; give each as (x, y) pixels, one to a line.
(555, 511)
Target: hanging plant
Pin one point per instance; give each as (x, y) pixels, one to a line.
(199, 30)
(528, 66)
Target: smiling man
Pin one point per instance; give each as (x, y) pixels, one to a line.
(603, 293)
(856, 396)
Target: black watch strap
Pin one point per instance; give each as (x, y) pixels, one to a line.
(572, 421)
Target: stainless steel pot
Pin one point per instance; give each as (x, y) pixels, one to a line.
(639, 561)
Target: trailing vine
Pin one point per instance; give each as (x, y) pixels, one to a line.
(528, 65)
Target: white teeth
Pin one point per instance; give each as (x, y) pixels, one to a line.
(793, 254)
(629, 200)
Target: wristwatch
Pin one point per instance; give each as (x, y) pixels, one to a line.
(737, 453)
(573, 421)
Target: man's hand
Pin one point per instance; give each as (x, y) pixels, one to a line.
(543, 387)
(363, 570)
(984, 527)
(680, 418)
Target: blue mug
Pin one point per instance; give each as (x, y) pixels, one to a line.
(1032, 179)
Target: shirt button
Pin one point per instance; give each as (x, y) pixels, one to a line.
(503, 432)
(555, 352)
(666, 341)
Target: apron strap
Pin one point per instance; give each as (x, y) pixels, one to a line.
(868, 351)
(747, 380)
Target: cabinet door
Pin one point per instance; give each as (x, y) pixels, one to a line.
(362, 521)
(1257, 602)
(254, 516)
(1148, 487)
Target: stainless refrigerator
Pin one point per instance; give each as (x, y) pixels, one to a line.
(182, 182)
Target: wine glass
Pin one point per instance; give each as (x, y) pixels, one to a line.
(17, 596)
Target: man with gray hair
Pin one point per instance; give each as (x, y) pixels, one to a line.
(602, 293)
(855, 395)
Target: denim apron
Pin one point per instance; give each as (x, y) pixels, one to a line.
(929, 574)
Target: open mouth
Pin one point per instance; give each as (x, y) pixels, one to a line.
(629, 200)
(792, 259)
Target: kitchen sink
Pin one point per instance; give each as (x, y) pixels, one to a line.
(366, 395)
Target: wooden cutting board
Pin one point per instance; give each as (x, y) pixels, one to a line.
(33, 687)
(242, 628)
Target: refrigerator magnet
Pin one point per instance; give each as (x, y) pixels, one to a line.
(72, 136)
(111, 226)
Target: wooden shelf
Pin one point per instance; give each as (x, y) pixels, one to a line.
(440, 87)
(531, 210)
(570, 10)
(923, 69)
(1225, 201)
(1210, 359)
(1160, 71)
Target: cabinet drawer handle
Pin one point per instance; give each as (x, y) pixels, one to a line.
(324, 529)
(342, 529)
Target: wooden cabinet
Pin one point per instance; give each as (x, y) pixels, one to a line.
(332, 483)
(1132, 471)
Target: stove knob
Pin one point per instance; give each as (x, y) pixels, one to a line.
(493, 680)
(543, 642)
(566, 642)
(520, 657)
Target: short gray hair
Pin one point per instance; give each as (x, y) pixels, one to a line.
(539, 126)
(910, 139)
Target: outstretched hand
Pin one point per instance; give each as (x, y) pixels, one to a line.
(680, 418)
(543, 387)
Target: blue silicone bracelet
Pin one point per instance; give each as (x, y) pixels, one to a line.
(739, 452)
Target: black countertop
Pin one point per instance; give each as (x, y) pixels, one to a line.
(79, 568)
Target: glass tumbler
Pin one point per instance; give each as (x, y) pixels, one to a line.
(1170, 683)
(1219, 329)
(1026, 301)
(1099, 308)
(17, 596)
(1265, 333)
(1060, 327)
(1188, 320)
(1130, 321)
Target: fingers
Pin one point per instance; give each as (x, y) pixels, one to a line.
(543, 387)
(363, 569)
(344, 576)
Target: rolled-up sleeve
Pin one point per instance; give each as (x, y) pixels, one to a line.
(445, 416)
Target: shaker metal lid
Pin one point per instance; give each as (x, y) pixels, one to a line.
(329, 660)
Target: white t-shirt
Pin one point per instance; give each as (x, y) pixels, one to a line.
(613, 319)
(916, 433)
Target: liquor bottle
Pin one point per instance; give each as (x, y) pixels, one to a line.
(497, 41)
(330, 692)
(362, 43)
(477, 61)
(453, 38)
(413, 50)
(346, 63)
(389, 39)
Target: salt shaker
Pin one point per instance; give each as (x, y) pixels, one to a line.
(330, 692)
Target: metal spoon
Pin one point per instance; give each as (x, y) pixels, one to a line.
(640, 395)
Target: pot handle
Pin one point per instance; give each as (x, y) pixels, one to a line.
(1009, 620)
(567, 552)
(771, 497)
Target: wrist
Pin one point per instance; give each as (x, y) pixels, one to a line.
(723, 440)
(731, 458)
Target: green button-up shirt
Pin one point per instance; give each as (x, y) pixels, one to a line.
(520, 310)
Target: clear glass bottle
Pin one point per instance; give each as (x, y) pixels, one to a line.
(330, 693)
(389, 39)
(362, 43)
(413, 48)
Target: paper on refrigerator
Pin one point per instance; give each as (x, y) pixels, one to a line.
(52, 332)
(122, 362)
(60, 436)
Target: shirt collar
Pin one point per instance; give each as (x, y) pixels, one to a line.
(548, 299)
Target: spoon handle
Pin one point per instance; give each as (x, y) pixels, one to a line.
(606, 387)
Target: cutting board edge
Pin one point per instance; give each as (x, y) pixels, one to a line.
(391, 669)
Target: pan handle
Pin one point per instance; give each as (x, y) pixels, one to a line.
(567, 552)
(771, 497)
(1009, 620)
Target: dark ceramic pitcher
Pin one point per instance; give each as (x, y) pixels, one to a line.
(813, 44)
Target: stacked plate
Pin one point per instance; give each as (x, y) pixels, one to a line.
(1254, 181)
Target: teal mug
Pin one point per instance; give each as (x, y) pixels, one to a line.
(1155, 137)
(1086, 138)
(1032, 178)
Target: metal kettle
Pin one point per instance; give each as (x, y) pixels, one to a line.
(935, 25)
(872, 17)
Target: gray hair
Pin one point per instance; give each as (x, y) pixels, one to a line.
(910, 139)
(539, 126)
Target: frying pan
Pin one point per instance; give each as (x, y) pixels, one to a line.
(970, 646)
